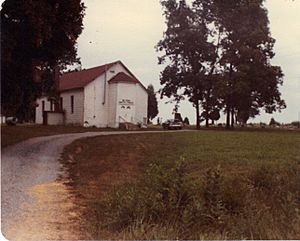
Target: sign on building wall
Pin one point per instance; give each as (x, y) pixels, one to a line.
(126, 102)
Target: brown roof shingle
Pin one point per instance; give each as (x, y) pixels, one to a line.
(79, 79)
(122, 77)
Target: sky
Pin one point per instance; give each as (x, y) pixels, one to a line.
(128, 30)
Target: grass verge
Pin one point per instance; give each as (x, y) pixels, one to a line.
(202, 185)
(13, 134)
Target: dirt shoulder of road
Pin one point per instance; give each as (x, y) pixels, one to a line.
(94, 166)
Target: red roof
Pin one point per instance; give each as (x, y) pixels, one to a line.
(79, 79)
(122, 77)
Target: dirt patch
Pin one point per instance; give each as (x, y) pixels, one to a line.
(52, 212)
(94, 166)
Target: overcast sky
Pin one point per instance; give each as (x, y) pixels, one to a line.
(128, 30)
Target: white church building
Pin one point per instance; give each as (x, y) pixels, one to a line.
(103, 96)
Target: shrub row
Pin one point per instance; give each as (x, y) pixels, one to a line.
(165, 203)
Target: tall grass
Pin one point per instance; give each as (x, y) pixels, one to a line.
(200, 185)
(167, 204)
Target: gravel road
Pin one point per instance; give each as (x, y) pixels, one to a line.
(34, 205)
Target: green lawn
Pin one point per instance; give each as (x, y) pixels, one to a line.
(196, 185)
(13, 134)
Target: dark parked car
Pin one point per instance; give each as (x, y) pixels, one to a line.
(172, 124)
(11, 121)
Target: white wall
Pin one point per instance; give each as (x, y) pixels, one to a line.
(112, 107)
(3, 119)
(94, 109)
(126, 91)
(98, 112)
(55, 118)
(75, 118)
(39, 111)
(70, 118)
(91, 106)
(141, 104)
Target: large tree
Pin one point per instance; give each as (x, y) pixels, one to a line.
(152, 103)
(250, 82)
(218, 55)
(188, 54)
(37, 39)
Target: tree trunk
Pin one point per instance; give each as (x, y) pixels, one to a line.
(232, 118)
(197, 114)
(207, 122)
(228, 118)
(207, 109)
(236, 118)
(229, 98)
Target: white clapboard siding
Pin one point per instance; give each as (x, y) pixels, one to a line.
(77, 116)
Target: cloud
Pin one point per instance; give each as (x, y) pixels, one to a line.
(129, 29)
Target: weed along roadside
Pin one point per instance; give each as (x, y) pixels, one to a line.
(194, 185)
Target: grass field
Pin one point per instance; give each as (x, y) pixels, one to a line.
(13, 134)
(193, 185)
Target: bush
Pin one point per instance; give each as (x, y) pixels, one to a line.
(262, 178)
(296, 123)
(273, 122)
(166, 204)
(166, 197)
(160, 196)
(186, 121)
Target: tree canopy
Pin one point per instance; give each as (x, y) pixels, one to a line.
(186, 121)
(217, 54)
(188, 53)
(251, 82)
(152, 103)
(37, 39)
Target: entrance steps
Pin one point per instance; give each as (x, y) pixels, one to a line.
(128, 126)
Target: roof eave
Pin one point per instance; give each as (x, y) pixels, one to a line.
(132, 75)
(71, 89)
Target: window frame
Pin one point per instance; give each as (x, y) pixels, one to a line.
(72, 104)
(51, 105)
